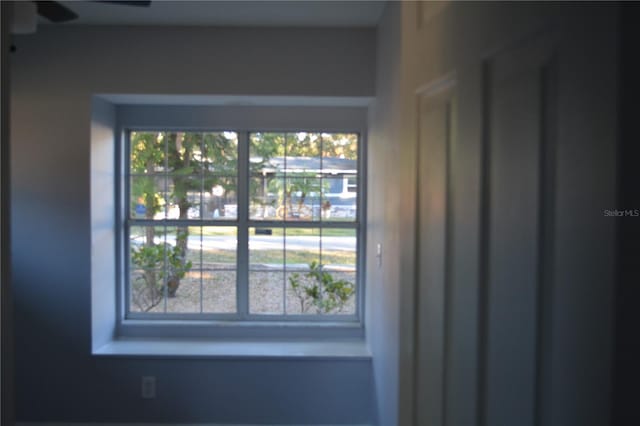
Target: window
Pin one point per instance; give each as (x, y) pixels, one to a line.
(241, 225)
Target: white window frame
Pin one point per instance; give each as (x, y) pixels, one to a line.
(243, 120)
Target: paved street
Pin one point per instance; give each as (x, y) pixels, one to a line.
(267, 242)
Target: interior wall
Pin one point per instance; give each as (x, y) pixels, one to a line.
(384, 205)
(6, 322)
(530, 256)
(56, 73)
(103, 224)
(524, 331)
(626, 368)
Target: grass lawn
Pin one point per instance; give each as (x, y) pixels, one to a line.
(276, 232)
(272, 257)
(223, 231)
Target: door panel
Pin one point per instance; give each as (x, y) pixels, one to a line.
(515, 90)
(514, 260)
(436, 112)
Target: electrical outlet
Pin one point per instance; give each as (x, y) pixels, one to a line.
(148, 387)
(379, 254)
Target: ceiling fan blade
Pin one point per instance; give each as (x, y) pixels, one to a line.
(55, 12)
(141, 3)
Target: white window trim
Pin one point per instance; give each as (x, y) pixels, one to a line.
(237, 118)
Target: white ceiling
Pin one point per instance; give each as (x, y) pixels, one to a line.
(230, 13)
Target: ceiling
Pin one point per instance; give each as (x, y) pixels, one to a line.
(300, 13)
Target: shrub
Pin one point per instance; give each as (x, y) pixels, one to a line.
(318, 289)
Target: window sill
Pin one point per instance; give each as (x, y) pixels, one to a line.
(347, 349)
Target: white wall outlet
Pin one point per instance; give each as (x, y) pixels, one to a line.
(379, 254)
(148, 387)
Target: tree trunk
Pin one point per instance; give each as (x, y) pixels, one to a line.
(182, 232)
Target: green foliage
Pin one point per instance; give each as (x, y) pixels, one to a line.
(163, 266)
(151, 258)
(147, 152)
(302, 144)
(145, 191)
(301, 184)
(184, 162)
(167, 167)
(320, 290)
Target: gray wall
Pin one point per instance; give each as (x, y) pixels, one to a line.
(6, 360)
(494, 303)
(384, 205)
(626, 366)
(56, 73)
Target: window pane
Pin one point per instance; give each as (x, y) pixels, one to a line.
(219, 247)
(266, 170)
(220, 151)
(266, 275)
(277, 191)
(147, 152)
(263, 201)
(145, 290)
(303, 145)
(146, 247)
(303, 197)
(263, 146)
(219, 291)
(177, 264)
(302, 248)
(302, 183)
(183, 175)
(301, 291)
(339, 249)
(339, 146)
(339, 202)
(340, 170)
(185, 192)
(184, 153)
(343, 297)
(147, 268)
(148, 197)
(213, 252)
(302, 255)
(186, 299)
(159, 262)
(219, 197)
(339, 260)
(326, 287)
(266, 249)
(321, 292)
(266, 292)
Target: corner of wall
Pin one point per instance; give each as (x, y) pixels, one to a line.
(103, 244)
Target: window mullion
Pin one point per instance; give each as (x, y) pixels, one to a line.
(165, 286)
(123, 168)
(204, 164)
(242, 274)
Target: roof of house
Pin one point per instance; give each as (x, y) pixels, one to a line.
(327, 165)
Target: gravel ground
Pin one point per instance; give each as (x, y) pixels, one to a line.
(218, 294)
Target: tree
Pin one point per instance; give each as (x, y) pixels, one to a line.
(173, 169)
